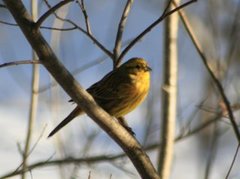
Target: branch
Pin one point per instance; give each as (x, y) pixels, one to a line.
(214, 78)
(95, 41)
(66, 161)
(169, 93)
(82, 6)
(22, 62)
(118, 133)
(8, 23)
(78, 70)
(51, 11)
(150, 27)
(42, 27)
(233, 161)
(212, 151)
(121, 27)
(32, 149)
(58, 29)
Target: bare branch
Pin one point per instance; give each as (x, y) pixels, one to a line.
(78, 70)
(66, 161)
(58, 29)
(167, 8)
(211, 153)
(233, 161)
(211, 73)
(51, 11)
(149, 115)
(8, 23)
(169, 93)
(104, 49)
(22, 62)
(33, 147)
(150, 27)
(42, 27)
(82, 6)
(121, 27)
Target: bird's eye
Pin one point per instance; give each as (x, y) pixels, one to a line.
(138, 66)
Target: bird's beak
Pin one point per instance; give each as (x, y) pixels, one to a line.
(148, 68)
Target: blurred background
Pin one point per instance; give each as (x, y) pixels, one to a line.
(207, 153)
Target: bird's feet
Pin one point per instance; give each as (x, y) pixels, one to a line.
(123, 122)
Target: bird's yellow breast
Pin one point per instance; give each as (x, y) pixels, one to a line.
(142, 82)
(137, 93)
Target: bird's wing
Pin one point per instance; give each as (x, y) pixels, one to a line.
(97, 88)
(108, 87)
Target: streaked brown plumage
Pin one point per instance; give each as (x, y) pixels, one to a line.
(119, 92)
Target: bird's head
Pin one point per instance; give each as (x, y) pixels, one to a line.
(136, 66)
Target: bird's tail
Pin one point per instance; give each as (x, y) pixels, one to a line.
(77, 111)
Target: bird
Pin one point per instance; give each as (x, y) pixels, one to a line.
(118, 92)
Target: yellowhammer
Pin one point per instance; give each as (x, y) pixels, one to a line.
(119, 92)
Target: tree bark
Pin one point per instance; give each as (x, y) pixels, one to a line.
(169, 96)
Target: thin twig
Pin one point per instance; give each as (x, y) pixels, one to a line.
(125, 170)
(83, 9)
(104, 49)
(234, 158)
(33, 147)
(167, 8)
(184, 128)
(58, 29)
(212, 152)
(45, 163)
(150, 27)
(86, 148)
(78, 70)
(41, 27)
(234, 42)
(149, 116)
(50, 11)
(121, 27)
(211, 73)
(22, 62)
(8, 23)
